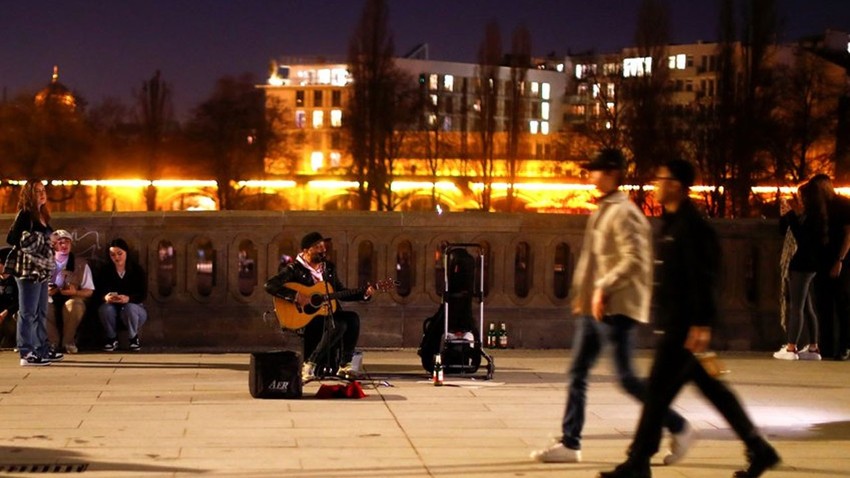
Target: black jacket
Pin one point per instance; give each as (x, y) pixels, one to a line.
(134, 284)
(808, 231)
(296, 272)
(688, 269)
(25, 222)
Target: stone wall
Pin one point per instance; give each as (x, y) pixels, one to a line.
(213, 303)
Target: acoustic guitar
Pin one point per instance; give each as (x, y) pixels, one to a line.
(293, 316)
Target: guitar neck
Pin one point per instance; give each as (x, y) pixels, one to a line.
(344, 294)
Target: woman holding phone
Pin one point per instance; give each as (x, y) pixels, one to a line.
(125, 287)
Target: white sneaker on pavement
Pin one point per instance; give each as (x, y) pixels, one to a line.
(557, 453)
(680, 443)
(308, 371)
(804, 354)
(785, 354)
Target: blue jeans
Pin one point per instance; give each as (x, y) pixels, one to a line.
(32, 317)
(587, 344)
(133, 316)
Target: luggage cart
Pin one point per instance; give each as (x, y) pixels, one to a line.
(452, 332)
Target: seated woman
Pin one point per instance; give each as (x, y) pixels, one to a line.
(125, 285)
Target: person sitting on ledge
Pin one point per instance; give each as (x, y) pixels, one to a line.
(125, 286)
(321, 335)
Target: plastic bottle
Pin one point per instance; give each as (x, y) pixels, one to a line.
(438, 371)
(503, 336)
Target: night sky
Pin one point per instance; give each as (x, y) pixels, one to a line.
(106, 48)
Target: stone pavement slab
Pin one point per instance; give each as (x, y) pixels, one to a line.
(182, 415)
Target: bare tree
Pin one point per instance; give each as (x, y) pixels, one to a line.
(520, 62)
(375, 118)
(233, 129)
(487, 93)
(155, 113)
(645, 97)
(804, 117)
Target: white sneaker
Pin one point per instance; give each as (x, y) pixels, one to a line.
(557, 453)
(308, 371)
(804, 354)
(680, 443)
(784, 354)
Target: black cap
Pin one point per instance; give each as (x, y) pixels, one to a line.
(681, 171)
(607, 159)
(312, 239)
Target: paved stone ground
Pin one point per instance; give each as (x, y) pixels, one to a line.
(156, 415)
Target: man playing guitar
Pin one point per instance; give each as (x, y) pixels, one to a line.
(331, 325)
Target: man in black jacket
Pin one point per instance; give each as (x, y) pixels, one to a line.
(309, 268)
(688, 254)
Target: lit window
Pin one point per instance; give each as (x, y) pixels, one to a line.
(596, 89)
(677, 62)
(300, 119)
(535, 87)
(324, 76)
(336, 118)
(544, 110)
(610, 106)
(545, 91)
(579, 71)
(448, 83)
(433, 81)
(477, 106)
(318, 119)
(544, 127)
(607, 125)
(340, 77)
(336, 159)
(560, 66)
(532, 126)
(432, 120)
(610, 90)
(640, 66)
(317, 160)
(434, 100)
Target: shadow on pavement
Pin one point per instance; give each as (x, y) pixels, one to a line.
(38, 460)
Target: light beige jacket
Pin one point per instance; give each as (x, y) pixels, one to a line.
(616, 255)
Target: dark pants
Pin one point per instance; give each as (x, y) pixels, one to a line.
(588, 341)
(833, 307)
(322, 336)
(801, 310)
(673, 367)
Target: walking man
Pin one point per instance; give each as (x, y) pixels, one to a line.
(610, 296)
(689, 254)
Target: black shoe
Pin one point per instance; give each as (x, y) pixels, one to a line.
(110, 345)
(761, 460)
(135, 345)
(627, 470)
(843, 355)
(53, 356)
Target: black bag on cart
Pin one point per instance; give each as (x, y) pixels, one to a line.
(452, 331)
(275, 375)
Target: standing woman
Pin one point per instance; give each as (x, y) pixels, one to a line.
(30, 234)
(810, 232)
(125, 285)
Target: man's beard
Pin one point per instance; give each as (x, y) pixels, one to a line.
(318, 257)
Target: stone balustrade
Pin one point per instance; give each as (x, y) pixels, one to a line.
(206, 272)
